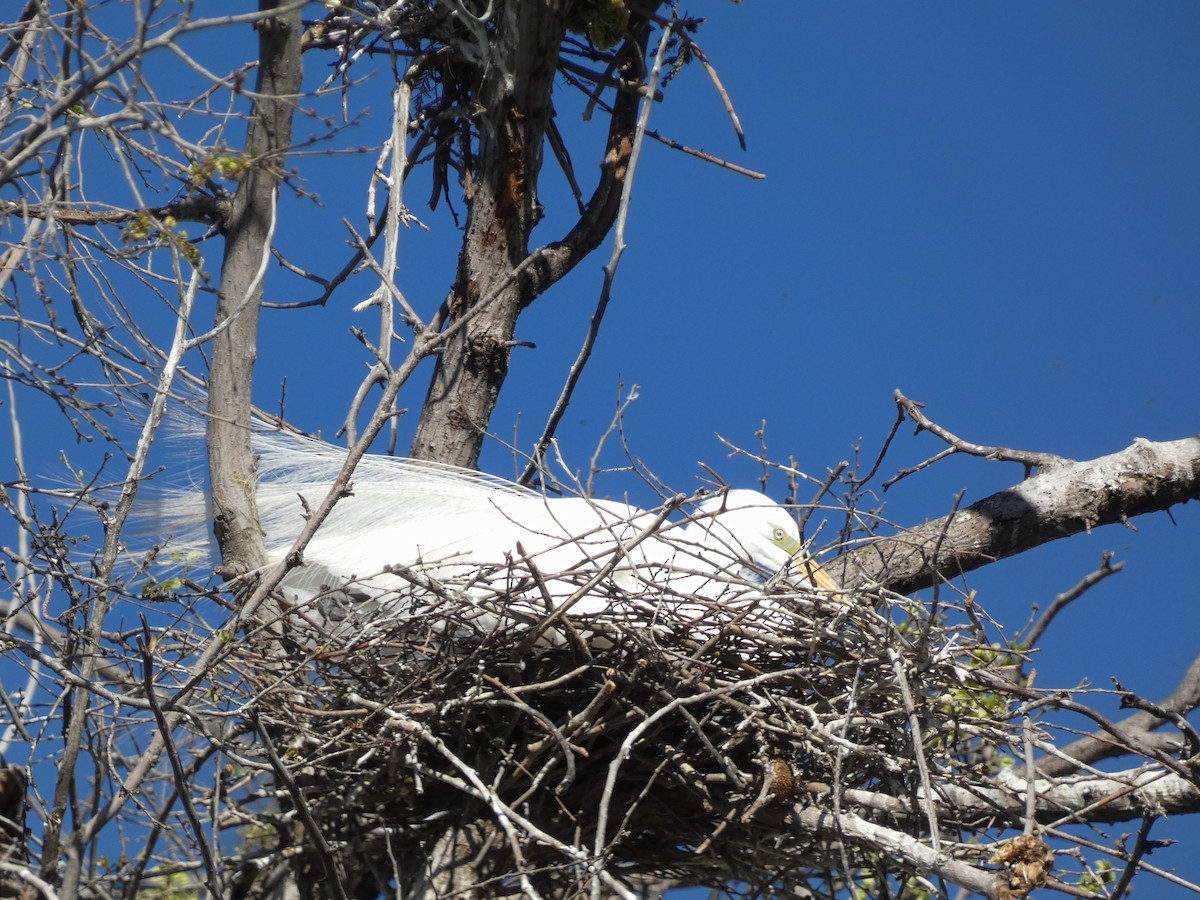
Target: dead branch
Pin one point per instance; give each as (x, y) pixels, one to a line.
(1135, 730)
(1059, 501)
(1066, 598)
(912, 409)
(610, 272)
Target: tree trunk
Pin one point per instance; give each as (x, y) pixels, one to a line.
(502, 191)
(248, 229)
(456, 861)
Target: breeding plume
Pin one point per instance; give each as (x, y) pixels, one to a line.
(420, 540)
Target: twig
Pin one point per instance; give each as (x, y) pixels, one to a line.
(887, 442)
(807, 509)
(1095, 747)
(610, 272)
(616, 558)
(1029, 459)
(1120, 853)
(1030, 773)
(183, 789)
(615, 425)
(601, 841)
(21, 580)
(104, 601)
(716, 80)
(333, 871)
(1190, 737)
(1066, 598)
(998, 682)
(387, 293)
(706, 156)
(918, 750)
(1140, 847)
(555, 139)
(505, 815)
(932, 613)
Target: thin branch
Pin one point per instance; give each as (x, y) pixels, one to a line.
(887, 442)
(103, 602)
(1140, 847)
(1030, 460)
(388, 293)
(195, 208)
(706, 156)
(716, 80)
(1136, 728)
(610, 270)
(182, 787)
(808, 508)
(1191, 740)
(1121, 854)
(918, 750)
(563, 156)
(334, 876)
(1066, 598)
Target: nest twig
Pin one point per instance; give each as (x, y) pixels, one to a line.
(646, 745)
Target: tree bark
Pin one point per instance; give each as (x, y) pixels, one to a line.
(248, 230)
(457, 862)
(1059, 501)
(521, 59)
(504, 208)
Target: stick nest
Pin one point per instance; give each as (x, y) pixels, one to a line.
(633, 752)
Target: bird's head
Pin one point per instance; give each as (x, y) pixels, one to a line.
(755, 529)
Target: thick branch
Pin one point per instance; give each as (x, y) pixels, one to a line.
(1098, 798)
(1058, 502)
(514, 97)
(923, 858)
(1120, 797)
(601, 210)
(1117, 797)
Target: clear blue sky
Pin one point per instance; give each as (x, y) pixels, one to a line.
(992, 206)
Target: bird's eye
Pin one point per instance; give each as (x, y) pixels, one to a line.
(778, 535)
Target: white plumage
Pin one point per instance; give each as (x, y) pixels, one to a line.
(416, 539)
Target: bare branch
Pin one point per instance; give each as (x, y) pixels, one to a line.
(1065, 599)
(610, 270)
(851, 827)
(913, 409)
(1062, 500)
(1135, 730)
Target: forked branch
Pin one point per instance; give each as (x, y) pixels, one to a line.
(1061, 500)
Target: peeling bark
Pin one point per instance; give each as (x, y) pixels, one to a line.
(1057, 502)
(516, 99)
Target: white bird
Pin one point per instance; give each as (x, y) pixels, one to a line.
(414, 539)
(728, 548)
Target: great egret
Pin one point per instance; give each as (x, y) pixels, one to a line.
(415, 539)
